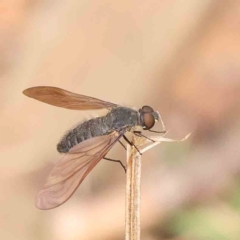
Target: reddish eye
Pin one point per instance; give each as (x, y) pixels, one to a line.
(148, 121)
(147, 109)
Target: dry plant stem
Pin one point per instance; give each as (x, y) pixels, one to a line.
(133, 194)
(133, 182)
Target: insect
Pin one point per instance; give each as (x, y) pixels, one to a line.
(89, 142)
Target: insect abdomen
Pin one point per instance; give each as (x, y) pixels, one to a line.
(91, 128)
(119, 118)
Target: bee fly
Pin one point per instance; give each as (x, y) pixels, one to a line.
(89, 142)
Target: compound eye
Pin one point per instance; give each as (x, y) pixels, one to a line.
(147, 109)
(148, 121)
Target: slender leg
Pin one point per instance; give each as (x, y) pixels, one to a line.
(137, 131)
(131, 143)
(139, 134)
(112, 160)
(157, 131)
(122, 145)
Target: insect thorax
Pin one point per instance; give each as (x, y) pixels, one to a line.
(119, 118)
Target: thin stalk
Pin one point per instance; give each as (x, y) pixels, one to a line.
(133, 185)
(133, 182)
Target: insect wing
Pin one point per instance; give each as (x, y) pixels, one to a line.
(72, 169)
(62, 98)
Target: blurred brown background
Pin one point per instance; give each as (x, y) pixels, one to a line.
(181, 57)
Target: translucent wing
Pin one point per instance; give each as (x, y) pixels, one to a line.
(65, 99)
(72, 169)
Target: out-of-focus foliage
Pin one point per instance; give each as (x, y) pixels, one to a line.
(218, 221)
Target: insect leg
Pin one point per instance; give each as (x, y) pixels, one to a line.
(112, 160)
(131, 143)
(157, 131)
(139, 134)
(137, 131)
(122, 145)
